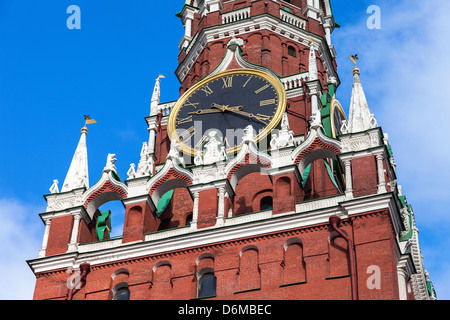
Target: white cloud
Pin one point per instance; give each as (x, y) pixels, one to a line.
(403, 70)
(20, 239)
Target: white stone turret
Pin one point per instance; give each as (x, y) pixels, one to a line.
(78, 174)
(360, 118)
(156, 97)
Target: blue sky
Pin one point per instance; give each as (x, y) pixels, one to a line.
(51, 76)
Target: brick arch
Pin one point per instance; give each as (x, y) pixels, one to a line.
(317, 150)
(283, 187)
(106, 193)
(250, 164)
(161, 281)
(249, 271)
(293, 261)
(171, 180)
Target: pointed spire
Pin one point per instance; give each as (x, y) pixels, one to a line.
(156, 96)
(78, 174)
(360, 118)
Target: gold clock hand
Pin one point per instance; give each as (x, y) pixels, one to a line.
(206, 111)
(261, 118)
(221, 109)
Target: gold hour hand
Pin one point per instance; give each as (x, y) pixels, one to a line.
(206, 111)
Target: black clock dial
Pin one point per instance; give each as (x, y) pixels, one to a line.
(228, 103)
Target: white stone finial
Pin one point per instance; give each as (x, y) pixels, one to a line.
(198, 160)
(156, 96)
(110, 160)
(316, 120)
(175, 154)
(344, 127)
(285, 137)
(54, 188)
(145, 166)
(249, 134)
(132, 171)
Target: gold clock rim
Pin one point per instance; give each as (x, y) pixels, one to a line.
(335, 104)
(275, 120)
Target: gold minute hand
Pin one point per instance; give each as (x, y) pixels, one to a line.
(259, 117)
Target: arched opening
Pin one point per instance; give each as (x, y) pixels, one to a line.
(207, 283)
(116, 211)
(174, 209)
(292, 52)
(206, 279)
(322, 178)
(119, 283)
(121, 291)
(266, 203)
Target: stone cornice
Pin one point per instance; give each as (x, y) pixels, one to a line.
(185, 238)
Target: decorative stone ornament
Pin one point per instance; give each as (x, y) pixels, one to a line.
(285, 137)
(110, 163)
(175, 153)
(54, 188)
(214, 149)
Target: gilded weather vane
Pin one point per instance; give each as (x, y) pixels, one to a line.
(88, 120)
(354, 58)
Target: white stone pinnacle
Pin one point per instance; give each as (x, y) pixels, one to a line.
(360, 118)
(78, 174)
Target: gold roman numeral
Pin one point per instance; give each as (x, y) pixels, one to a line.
(263, 117)
(200, 143)
(267, 102)
(187, 134)
(227, 82)
(192, 104)
(262, 89)
(245, 84)
(226, 143)
(185, 120)
(207, 90)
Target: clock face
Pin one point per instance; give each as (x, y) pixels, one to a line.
(227, 103)
(337, 117)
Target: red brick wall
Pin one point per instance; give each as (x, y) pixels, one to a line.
(250, 189)
(208, 206)
(59, 236)
(365, 177)
(266, 262)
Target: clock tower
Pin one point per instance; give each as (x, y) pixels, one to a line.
(254, 184)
